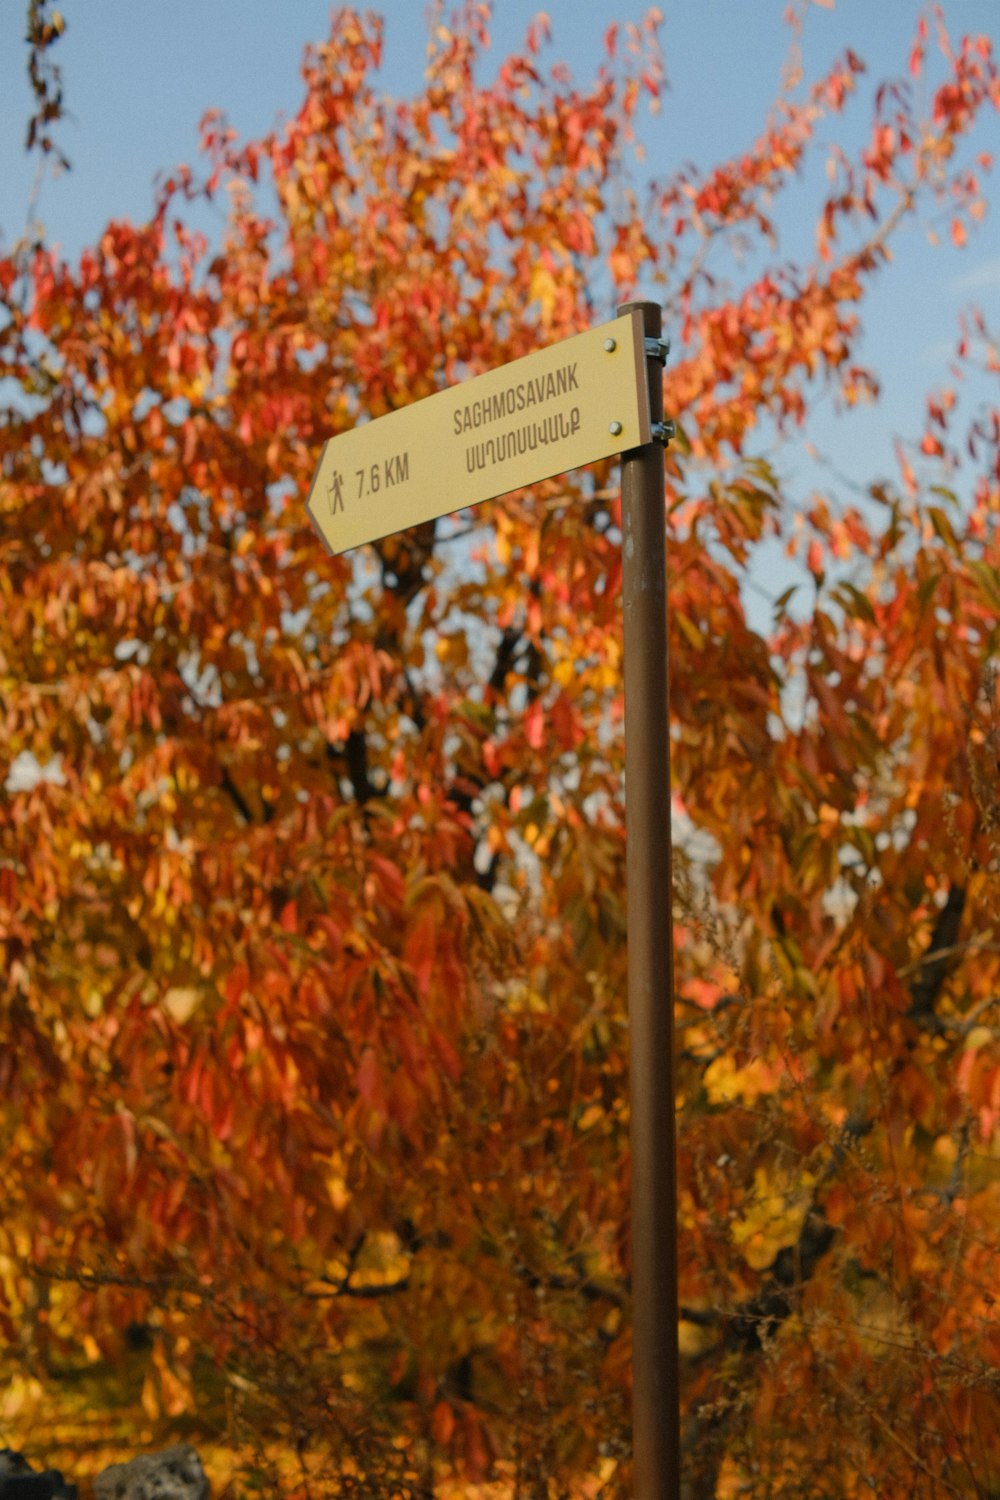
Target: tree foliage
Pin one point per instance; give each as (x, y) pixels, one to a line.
(313, 1104)
(45, 78)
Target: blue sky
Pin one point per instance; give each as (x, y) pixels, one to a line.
(139, 76)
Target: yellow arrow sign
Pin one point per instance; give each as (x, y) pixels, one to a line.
(577, 401)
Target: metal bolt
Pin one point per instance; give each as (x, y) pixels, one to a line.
(615, 429)
(610, 345)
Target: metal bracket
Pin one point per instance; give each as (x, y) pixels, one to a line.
(657, 349)
(662, 432)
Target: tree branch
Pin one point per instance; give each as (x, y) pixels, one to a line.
(938, 960)
(228, 785)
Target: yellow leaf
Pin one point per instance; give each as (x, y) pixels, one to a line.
(689, 630)
(725, 1082)
(180, 1001)
(775, 1216)
(543, 290)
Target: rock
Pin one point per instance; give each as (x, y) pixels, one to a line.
(174, 1474)
(19, 1481)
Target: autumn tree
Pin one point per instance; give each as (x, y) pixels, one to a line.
(313, 1104)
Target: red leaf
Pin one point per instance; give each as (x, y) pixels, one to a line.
(369, 1081)
(446, 1055)
(236, 984)
(534, 725)
(421, 950)
(442, 1424)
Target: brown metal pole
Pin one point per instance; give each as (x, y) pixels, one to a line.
(655, 1375)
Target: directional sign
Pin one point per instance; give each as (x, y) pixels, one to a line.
(556, 409)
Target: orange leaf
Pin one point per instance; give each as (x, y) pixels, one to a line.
(442, 1424)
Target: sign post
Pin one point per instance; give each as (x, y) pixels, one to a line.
(591, 396)
(655, 1371)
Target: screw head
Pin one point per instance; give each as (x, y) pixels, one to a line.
(611, 345)
(615, 429)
